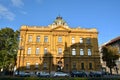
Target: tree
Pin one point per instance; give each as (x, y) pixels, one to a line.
(110, 55)
(8, 48)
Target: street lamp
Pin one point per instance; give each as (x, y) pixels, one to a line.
(20, 48)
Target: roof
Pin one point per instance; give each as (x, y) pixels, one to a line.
(113, 40)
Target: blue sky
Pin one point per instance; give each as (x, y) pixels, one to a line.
(101, 14)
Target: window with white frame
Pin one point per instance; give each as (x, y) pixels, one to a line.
(81, 52)
(89, 52)
(59, 50)
(29, 51)
(38, 39)
(81, 40)
(59, 38)
(30, 38)
(36, 65)
(73, 40)
(37, 50)
(73, 51)
(45, 50)
(45, 38)
(28, 65)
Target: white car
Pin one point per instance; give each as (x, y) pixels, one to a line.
(43, 74)
(57, 74)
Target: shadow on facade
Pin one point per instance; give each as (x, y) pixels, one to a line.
(45, 64)
(74, 60)
(70, 60)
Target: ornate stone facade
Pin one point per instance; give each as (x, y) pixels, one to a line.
(57, 47)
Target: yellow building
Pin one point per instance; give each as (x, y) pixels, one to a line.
(57, 47)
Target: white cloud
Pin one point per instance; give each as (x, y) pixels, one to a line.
(17, 3)
(5, 13)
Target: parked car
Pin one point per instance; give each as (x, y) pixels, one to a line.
(78, 74)
(24, 74)
(95, 74)
(62, 74)
(43, 74)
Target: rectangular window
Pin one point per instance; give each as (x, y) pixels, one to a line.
(82, 65)
(73, 40)
(28, 65)
(45, 38)
(88, 41)
(38, 39)
(81, 52)
(29, 38)
(59, 50)
(74, 65)
(81, 40)
(73, 51)
(45, 65)
(89, 52)
(90, 65)
(37, 50)
(66, 66)
(45, 50)
(29, 51)
(59, 39)
(36, 65)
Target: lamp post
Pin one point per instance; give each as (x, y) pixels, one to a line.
(20, 48)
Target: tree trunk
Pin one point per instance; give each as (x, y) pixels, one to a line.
(111, 71)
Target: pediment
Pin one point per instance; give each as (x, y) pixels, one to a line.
(60, 28)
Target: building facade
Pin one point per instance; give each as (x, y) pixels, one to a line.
(57, 47)
(114, 43)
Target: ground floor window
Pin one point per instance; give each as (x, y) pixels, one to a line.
(90, 65)
(82, 66)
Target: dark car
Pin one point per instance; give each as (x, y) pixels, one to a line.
(78, 74)
(95, 74)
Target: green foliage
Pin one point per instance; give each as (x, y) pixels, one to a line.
(110, 55)
(60, 78)
(8, 48)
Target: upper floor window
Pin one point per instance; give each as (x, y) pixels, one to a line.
(36, 65)
(73, 40)
(38, 39)
(89, 52)
(59, 39)
(30, 38)
(73, 51)
(88, 40)
(37, 50)
(81, 40)
(29, 51)
(45, 38)
(28, 65)
(45, 50)
(81, 52)
(59, 50)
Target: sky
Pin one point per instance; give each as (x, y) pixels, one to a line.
(104, 15)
